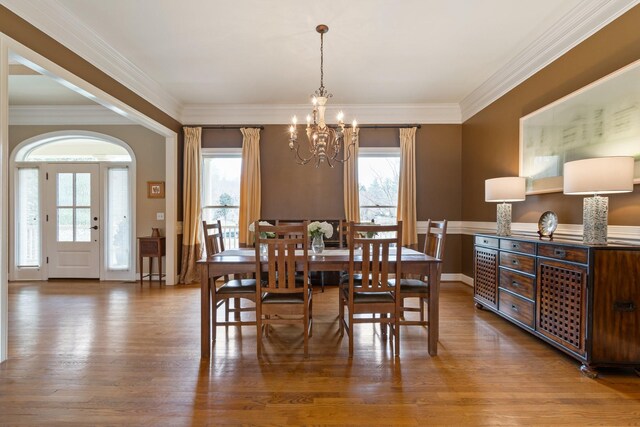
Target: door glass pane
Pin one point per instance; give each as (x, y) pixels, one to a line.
(65, 189)
(65, 224)
(119, 219)
(83, 222)
(83, 189)
(28, 219)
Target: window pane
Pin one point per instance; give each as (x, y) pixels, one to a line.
(65, 224)
(83, 222)
(220, 191)
(65, 189)
(75, 149)
(118, 219)
(378, 178)
(83, 189)
(28, 219)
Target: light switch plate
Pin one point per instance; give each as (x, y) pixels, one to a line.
(160, 216)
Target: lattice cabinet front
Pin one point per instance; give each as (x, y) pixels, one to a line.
(486, 272)
(561, 307)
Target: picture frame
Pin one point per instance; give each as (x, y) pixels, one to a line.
(155, 189)
(599, 120)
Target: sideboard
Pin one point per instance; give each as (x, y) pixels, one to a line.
(582, 299)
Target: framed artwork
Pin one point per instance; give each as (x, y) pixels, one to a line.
(599, 120)
(155, 189)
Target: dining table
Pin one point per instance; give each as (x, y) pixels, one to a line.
(242, 261)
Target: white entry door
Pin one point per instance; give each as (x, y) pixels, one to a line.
(72, 220)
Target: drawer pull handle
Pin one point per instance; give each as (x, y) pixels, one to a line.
(515, 246)
(559, 253)
(515, 308)
(515, 284)
(514, 261)
(486, 242)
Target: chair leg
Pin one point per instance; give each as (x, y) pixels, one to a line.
(306, 336)
(396, 330)
(341, 313)
(322, 281)
(350, 334)
(237, 305)
(421, 309)
(383, 325)
(226, 310)
(311, 317)
(258, 332)
(214, 316)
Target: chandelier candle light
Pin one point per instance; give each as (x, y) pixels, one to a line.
(325, 143)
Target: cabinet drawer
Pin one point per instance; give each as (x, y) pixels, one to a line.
(518, 246)
(487, 241)
(517, 283)
(566, 253)
(516, 308)
(523, 263)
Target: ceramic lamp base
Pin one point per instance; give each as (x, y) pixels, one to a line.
(594, 218)
(503, 216)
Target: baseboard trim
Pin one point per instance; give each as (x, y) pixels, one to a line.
(457, 277)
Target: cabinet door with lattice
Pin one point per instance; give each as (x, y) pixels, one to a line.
(562, 303)
(486, 276)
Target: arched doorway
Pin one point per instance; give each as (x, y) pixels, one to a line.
(73, 207)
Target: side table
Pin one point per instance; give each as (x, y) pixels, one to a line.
(151, 247)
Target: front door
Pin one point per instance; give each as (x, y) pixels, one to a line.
(72, 221)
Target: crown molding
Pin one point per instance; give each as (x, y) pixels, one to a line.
(576, 26)
(281, 113)
(64, 115)
(57, 22)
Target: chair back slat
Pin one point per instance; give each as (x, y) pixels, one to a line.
(282, 263)
(435, 238)
(377, 261)
(213, 238)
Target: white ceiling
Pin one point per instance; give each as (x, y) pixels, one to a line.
(194, 55)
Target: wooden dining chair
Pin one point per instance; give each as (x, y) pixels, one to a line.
(375, 294)
(231, 289)
(419, 288)
(282, 298)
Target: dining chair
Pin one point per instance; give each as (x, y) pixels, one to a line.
(231, 289)
(375, 293)
(281, 298)
(419, 288)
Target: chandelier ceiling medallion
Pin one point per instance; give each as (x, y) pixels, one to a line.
(325, 143)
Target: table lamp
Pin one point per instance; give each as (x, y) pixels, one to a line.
(506, 189)
(602, 175)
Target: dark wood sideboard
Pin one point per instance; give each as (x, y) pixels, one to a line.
(582, 299)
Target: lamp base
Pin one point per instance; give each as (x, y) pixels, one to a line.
(503, 216)
(594, 218)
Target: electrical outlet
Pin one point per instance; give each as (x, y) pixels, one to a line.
(160, 216)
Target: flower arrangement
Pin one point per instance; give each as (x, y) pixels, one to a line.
(263, 234)
(320, 228)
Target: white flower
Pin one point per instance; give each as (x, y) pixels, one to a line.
(252, 226)
(316, 228)
(263, 234)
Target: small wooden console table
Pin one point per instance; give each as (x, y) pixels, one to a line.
(151, 247)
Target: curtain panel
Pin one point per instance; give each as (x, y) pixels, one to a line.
(407, 187)
(250, 185)
(191, 229)
(350, 174)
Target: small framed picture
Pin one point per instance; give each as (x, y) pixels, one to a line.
(155, 189)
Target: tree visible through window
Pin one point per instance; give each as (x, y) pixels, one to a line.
(221, 192)
(378, 178)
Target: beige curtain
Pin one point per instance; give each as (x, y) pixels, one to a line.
(191, 247)
(407, 187)
(350, 172)
(250, 186)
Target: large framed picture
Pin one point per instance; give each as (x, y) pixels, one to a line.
(599, 120)
(155, 189)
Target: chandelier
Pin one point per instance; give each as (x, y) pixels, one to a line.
(326, 144)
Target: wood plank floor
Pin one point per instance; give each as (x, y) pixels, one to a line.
(89, 353)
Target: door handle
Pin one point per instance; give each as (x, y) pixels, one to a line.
(95, 227)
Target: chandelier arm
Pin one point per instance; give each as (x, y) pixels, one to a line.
(299, 159)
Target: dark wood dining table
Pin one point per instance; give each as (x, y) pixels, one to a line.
(239, 261)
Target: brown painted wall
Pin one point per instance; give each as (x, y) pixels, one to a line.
(491, 138)
(294, 191)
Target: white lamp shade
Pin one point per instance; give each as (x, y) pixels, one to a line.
(601, 175)
(506, 189)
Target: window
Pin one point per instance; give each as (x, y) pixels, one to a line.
(378, 177)
(118, 219)
(28, 218)
(221, 190)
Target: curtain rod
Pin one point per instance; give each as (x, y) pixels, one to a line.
(388, 126)
(226, 126)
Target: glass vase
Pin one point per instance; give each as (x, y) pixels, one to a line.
(264, 249)
(317, 244)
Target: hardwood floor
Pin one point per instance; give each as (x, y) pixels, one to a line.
(89, 353)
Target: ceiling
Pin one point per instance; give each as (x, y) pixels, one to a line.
(199, 54)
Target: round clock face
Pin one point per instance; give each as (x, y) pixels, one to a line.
(547, 223)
